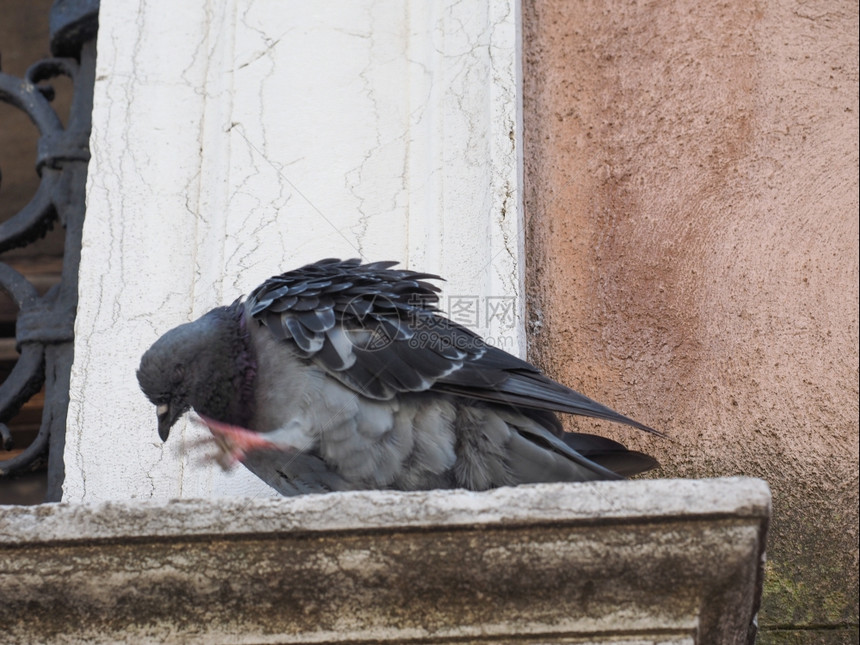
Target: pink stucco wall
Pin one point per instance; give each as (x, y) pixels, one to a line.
(692, 252)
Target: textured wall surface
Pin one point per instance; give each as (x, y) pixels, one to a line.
(692, 255)
(233, 141)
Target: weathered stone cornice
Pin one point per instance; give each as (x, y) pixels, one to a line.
(662, 561)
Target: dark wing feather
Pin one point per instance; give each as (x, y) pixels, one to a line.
(368, 325)
(378, 331)
(610, 454)
(499, 377)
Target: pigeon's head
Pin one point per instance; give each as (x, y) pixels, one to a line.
(197, 365)
(166, 374)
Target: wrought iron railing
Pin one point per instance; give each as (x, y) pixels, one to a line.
(44, 328)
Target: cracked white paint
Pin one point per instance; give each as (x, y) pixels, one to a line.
(234, 140)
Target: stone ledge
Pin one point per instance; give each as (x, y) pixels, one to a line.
(662, 561)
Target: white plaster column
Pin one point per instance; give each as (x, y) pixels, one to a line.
(235, 140)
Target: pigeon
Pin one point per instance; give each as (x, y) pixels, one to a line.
(346, 376)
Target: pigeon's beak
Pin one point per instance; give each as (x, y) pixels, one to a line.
(167, 416)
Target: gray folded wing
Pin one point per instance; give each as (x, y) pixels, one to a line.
(378, 331)
(294, 473)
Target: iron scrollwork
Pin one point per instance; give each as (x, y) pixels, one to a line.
(45, 325)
